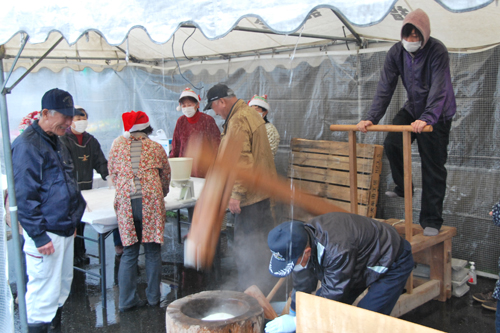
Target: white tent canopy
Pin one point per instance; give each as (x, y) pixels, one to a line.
(126, 33)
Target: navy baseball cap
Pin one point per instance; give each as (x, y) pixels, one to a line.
(220, 90)
(60, 101)
(287, 243)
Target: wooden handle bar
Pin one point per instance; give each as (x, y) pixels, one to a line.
(275, 289)
(379, 128)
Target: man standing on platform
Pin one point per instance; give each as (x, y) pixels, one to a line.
(424, 67)
(253, 219)
(50, 206)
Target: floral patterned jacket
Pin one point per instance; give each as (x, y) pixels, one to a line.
(154, 174)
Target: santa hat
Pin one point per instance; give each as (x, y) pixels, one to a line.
(28, 120)
(188, 92)
(134, 121)
(259, 101)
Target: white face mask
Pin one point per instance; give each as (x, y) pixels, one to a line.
(80, 126)
(189, 111)
(299, 266)
(411, 46)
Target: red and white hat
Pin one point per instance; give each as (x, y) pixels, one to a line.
(259, 101)
(134, 121)
(188, 92)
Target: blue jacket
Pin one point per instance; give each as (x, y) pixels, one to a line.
(47, 194)
(426, 77)
(348, 252)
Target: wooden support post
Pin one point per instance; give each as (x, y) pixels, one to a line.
(408, 185)
(440, 267)
(353, 172)
(408, 198)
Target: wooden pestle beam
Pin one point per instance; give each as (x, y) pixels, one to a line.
(222, 173)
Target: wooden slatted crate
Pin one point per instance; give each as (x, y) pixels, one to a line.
(322, 168)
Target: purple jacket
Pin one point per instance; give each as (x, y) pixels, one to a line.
(426, 77)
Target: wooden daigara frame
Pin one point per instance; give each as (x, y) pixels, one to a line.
(433, 251)
(406, 131)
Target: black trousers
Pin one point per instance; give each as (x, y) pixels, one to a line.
(433, 150)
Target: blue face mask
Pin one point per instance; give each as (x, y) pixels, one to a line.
(299, 267)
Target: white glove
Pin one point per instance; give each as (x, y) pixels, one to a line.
(283, 324)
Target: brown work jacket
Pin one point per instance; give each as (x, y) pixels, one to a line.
(256, 148)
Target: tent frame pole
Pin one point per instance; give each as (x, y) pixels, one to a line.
(19, 267)
(4, 118)
(2, 56)
(294, 34)
(349, 27)
(29, 70)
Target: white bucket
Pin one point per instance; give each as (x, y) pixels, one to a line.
(180, 168)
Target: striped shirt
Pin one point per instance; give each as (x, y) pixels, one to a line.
(135, 158)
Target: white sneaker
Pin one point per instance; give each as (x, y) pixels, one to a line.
(428, 231)
(391, 194)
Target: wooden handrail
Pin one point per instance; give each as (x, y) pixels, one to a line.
(379, 128)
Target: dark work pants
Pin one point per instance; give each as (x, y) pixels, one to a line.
(252, 254)
(432, 148)
(127, 274)
(384, 293)
(116, 238)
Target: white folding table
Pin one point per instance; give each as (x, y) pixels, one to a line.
(100, 214)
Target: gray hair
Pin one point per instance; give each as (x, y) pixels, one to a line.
(230, 94)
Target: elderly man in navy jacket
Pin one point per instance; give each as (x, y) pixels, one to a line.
(347, 253)
(49, 207)
(423, 64)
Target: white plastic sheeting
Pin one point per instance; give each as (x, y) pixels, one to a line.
(306, 97)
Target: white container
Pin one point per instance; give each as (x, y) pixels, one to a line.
(472, 274)
(458, 275)
(180, 168)
(162, 139)
(460, 291)
(165, 144)
(458, 264)
(456, 284)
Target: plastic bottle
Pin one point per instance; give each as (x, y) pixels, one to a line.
(472, 274)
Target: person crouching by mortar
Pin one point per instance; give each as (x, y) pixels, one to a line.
(141, 174)
(347, 253)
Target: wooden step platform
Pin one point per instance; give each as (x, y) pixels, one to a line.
(434, 251)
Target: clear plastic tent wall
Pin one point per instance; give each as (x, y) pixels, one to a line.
(306, 95)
